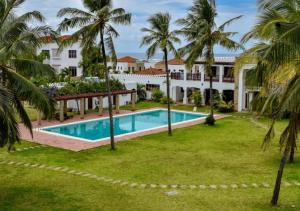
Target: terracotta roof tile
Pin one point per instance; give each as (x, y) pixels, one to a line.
(151, 71)
(127, 59)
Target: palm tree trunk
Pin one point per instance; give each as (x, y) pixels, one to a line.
(292, 154)
(111, 120)
(279, 176)
(211, 95)
(168, 91)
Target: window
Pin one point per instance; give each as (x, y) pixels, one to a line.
(72, 54)
(150, 87)
(228, 72)
(55, 53)
(73, 71)
(214, 71)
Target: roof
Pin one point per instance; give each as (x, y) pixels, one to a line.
(151, 71)
(49, 39)
(127, 59)
(172, 62)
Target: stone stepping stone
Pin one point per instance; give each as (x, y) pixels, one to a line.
(287, 184)
(133, 185)
(244, 186)
(163, 186)
(193, 186)
(42, 166)
(174, 186)
(71, 172)
(297, 183)
(101, 178)
(224, 186)
(57, 168)
(213, 186)
(254, 185)
(234, 186)
(116, 181)
(86, 175)
(18, 150)
(27, 164)
(143, 185)
(183, 186)
(172, 193)
(11, 162)
(2, 162)
(202, 187)
(108, 180)
(19, 163)
(34, 165)
(153, 186)
(124, 183)
(266, 185)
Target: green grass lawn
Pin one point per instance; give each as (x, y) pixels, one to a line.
(229, 153)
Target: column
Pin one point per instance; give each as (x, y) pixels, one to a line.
(185, 98)
(82, 102)
(65, 106)
(61, 111)
(100, 106)
(117, 104)
(221, 73)
(203, 96)
(133, 100)
(39, 118)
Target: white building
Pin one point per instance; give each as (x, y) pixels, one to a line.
(184, 81)
(70, 57)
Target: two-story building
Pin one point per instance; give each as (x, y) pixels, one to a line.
(69, 57)
(128, 64)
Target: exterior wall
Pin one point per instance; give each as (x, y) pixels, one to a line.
(63, 60)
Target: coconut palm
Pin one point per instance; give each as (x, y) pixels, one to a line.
(277, 72)
(159, 36)
(203, 34)
(18, 42)
(95, 23)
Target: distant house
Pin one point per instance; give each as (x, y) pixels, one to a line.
(128, 64)
(69, 57)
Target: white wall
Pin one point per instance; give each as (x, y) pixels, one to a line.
(63, 60)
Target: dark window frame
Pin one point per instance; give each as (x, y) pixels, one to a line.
(72, 54)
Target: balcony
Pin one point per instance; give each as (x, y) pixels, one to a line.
(193, 76)
(215, 78)
(227, 79)
(177, 76)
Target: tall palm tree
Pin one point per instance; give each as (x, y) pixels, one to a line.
(277, 71)
(95, 23)
(18, 42)
(160, 37)
(203, 34)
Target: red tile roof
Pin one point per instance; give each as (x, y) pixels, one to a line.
(151, 71)
(49, 39)
(127, 59)
(172, 62)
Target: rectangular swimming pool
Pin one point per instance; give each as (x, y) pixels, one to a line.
(98, 129)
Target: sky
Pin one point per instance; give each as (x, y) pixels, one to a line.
(130, 36)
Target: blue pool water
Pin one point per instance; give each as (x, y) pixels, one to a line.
(99, 129)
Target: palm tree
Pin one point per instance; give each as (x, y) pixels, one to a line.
(277, 72)
(96, 24)
(203, 34)
(18, 42)
(160, 37)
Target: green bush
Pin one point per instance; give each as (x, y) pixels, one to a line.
(164, 100)
(197, 98)
(141, 92)
(210, 120)
(157, 95)
(225, 107)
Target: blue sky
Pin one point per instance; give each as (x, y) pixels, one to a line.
(142, 9)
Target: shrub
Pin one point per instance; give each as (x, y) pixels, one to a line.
(164, 100)
(197, 98)
(157, 95)
(225, 107)
(141, 92)
(210, 120)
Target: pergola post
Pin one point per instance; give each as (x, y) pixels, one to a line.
(65, 106)
(117, 104)
(82, 102)
(61, 111)
(39, 118)
(133, 100)
(100, 106)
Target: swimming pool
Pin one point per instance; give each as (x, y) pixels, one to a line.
(98, 129)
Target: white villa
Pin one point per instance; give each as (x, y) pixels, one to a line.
(132, 71)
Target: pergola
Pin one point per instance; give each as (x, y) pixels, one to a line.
(100, 95)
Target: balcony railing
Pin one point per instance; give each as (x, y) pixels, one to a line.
(177, 76)
(215, 78)
(227, 79)
(193, 76)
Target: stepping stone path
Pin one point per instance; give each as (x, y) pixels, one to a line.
(66, 170)
(28, 148)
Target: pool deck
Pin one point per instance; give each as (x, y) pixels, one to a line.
(78, 145)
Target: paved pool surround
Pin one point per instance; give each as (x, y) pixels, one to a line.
(76, 145)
